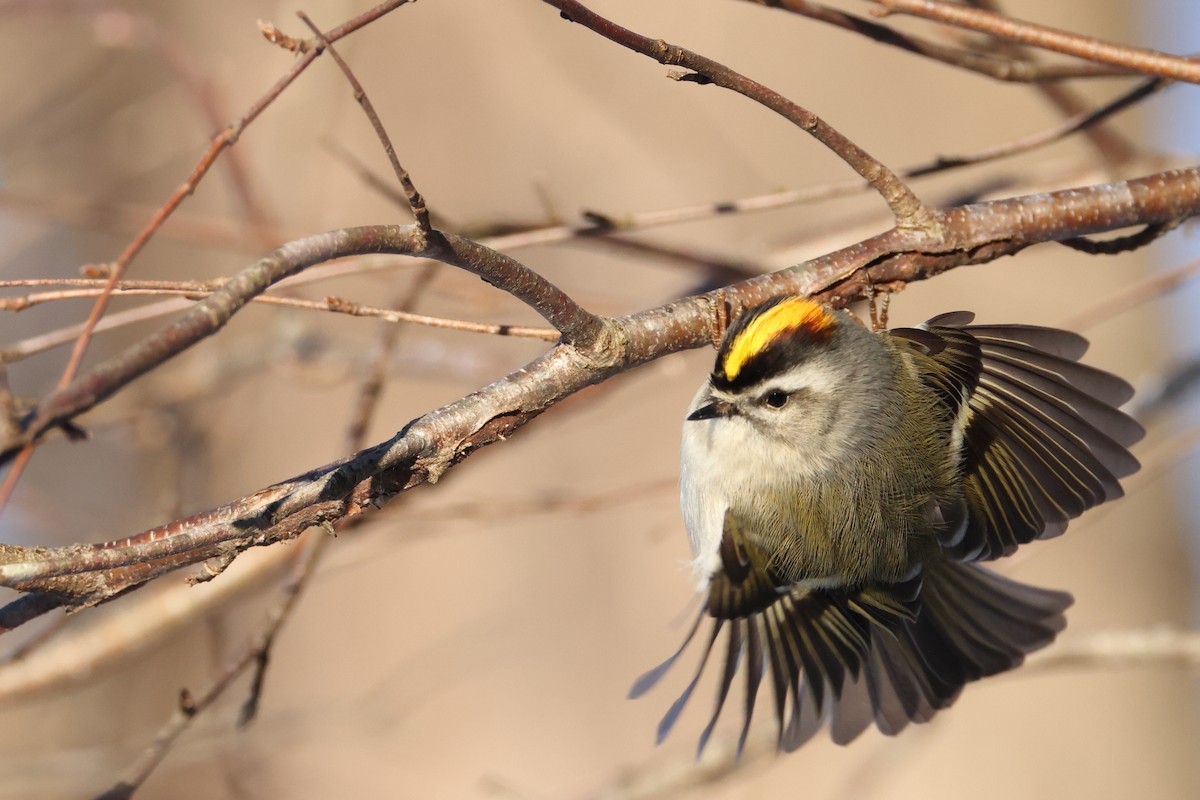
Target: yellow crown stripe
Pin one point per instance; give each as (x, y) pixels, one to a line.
(793, 314)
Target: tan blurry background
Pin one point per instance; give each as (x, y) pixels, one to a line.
(477, 638)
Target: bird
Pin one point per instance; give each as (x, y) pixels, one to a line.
(842, 489)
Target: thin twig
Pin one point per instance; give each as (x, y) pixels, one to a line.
(907, 208)
(189, 706)
(257, 653)
(606, 225)
(1005, 69)
(1137, 59)
(416, 202)
(1122, 244)
(1084, 120)
(220, 142)
(341, 306)
(1114, 148)
(214, 312)
(1132, 295)
(198, 290)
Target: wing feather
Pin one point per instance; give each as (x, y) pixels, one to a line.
(1043, 439)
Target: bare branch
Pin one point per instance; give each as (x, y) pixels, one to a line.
(211, 314)
(433, 443)
(220, 142)
(1150, 647)
(1123, 244)
(198, 290)
(907, 208)
(257, 652)
(190, 705)
(1109, 144)
(416, 202)
(597, 226)
(1005, 69)
(224, 139)
(1148, 62)
(1084, 120)
(584, 349)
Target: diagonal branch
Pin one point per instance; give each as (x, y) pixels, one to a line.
(907, 208)
(1083, 121)
(1110, 145)
(223, 140)
(596, 226)
(210, 315)
(1004, 69)
(1137, 59)
(257, 652)
(86, 574)
(416, 203)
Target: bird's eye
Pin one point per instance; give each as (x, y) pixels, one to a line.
(776, 399)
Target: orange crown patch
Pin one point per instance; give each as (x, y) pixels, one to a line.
(794, 314)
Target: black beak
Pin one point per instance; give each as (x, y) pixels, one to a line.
(717, 408)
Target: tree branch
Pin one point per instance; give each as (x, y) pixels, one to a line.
(220, 142)
(1004, 69)
(428, 446)
(907, 208)
(1137, 59)
(416, 203)
(210, 315)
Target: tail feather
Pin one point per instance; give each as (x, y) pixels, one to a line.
(754, 676)
(733, 654)
(972, 623)
(884, 655)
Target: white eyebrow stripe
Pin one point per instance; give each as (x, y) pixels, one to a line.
(809, 377)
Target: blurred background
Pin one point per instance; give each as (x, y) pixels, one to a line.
(477, 638)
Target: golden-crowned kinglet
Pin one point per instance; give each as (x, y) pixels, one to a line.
(838, 486)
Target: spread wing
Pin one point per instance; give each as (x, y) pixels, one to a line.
(1042, 435)
(849, 656)
(812, 642)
